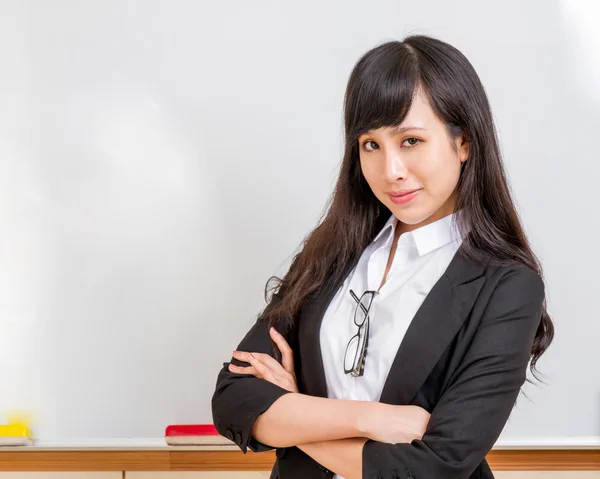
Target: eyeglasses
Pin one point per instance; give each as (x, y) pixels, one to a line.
(356, 350)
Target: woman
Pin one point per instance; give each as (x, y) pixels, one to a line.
(397, 343)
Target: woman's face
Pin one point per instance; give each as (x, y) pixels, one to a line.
(414, 169)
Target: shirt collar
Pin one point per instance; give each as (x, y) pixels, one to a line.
(426, 238)
(388, 228)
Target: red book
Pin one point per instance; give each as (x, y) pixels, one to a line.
(194, 435)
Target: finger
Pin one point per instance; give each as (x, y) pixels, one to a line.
(277, 374)
(287, 355)
(279, 381)
(271, 362)
(267, 367)
(261, 368)
(244, 370)
(242, 356)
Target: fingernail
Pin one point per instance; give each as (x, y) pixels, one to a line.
(274, 331)
(236, 353)
(232, 366)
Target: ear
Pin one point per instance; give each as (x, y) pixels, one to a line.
(464, 148)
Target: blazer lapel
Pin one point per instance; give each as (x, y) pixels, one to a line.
(311, 317)
(432, 329)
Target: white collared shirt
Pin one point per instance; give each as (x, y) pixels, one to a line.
(422, 256)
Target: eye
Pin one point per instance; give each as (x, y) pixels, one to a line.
(365, 143)
(412, 142)
(407, 143)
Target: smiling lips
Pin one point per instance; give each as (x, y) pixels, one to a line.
(403, 197)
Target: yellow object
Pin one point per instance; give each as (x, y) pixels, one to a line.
(15, 430)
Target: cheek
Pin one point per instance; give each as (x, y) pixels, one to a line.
(371, 174)
(439, 176)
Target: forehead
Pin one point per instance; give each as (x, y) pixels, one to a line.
(420, 111)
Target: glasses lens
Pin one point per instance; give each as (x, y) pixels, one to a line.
(351, 353)
(360, 314)
(356, 350)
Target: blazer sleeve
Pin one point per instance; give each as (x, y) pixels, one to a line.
(473, 410)
(239, 399)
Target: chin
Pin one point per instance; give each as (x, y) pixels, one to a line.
(412, 220)
(411, 217)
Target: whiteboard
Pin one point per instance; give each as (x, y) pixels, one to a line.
(160, 160)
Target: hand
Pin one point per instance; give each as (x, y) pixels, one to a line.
(394, 424)
(268, 368)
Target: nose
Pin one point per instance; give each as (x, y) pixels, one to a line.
(394, 168)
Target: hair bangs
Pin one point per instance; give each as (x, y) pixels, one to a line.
(382, 91)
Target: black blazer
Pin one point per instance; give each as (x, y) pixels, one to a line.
(463, 359)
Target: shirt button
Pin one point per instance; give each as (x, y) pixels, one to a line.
(238, 438)
(229, 435)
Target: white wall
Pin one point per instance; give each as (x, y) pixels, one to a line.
(158, 159)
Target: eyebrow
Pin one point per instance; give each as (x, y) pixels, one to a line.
(400, 129)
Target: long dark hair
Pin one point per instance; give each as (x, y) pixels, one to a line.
(379, 94)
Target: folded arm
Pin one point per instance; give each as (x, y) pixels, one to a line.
(261, 415)
(258, 406)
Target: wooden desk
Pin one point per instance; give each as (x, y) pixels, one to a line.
(223, 455)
